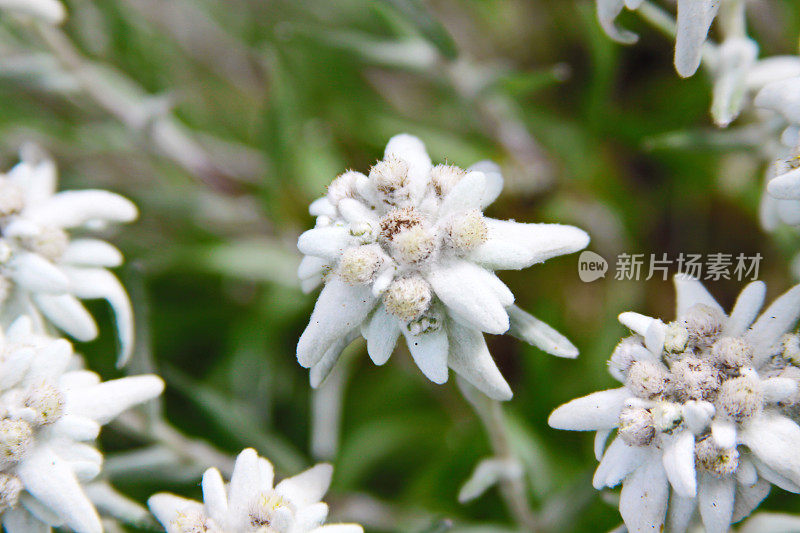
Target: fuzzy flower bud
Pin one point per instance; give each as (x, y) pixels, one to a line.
(467, 231)
(344, 186)
(636, 426)
(47, 403)
(695, 379)
(719, 462)
(791, 348)
(646, 379)
(445, 177)
(430, 321)
(676, 337)
(624, 354)
(390, 179)
(360, 264)
(731, 353)
(10, 487)
(413, 245)
(407, 298)
(271, 511)
(15, 437)
(192, 521)
(397, 221)
(740, 398)
(704, 324)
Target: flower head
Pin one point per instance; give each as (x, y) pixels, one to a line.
(251, 504)
(703, 410)
(407, 250)
(45, 271)
(50, 412)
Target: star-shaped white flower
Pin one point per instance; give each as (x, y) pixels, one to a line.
(250, 503)
(702, 410)
(50, 412)
(43, 271)
(407, 251)
(694, 20)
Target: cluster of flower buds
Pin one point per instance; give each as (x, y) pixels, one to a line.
(407, 250)
(705, 408)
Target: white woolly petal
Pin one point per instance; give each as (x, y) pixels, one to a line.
(775, 440)
(680, 513)
(76, 427)
(746, 500)
(655, 336)
(771, 69)
(36, 176)
(697, 415)
(785, 186)
(34, 273)
(381, 334)
(105, 401)
(50, 480)
(607, 12)
(92, 252)
(788, 212)
(77, 379)
(782, 97)
(465, 195)
(690, 292)
(69, 209)
(339, 309)
(715, 502)
(636, 322)
(775, 478)
(214, 496)
(768, 213)
(322, 207)
(327, 242)
(411, 150)
(600, 439)
(307, 487)
(18, 520)
(746, 474)
(469, 292)
(599, 410)
(494, 181)
(246, 483)
(50, 362)
(694, 20)
(266, 471)
(678, 460)
(165, 507)
(777, 390)
(92, 283)
(469, 357)
(779, 318)
(643, 501)
(311, 266)
(724, 434)
(532, 330)
(354, 212)
(83, 459)
(320, 371)
(429, 351)
(746, 309)
(617, 462)
(68, 314)
(513, 245)
(311, 516)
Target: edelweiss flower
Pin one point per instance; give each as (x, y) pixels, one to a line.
(703, 411)
(407, 250)
(694, 20)
(45, 272)
(250, 504)
(50, 411)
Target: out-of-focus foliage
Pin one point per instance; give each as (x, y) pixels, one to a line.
(223, 119)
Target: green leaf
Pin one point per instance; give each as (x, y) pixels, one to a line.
(418, 15)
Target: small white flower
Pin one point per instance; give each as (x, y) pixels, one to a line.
(407, 250)
(710, 421)
(43, 272)
(251, 504)
(50, 412)
(694, 20)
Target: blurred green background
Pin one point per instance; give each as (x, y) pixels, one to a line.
(223, 119)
